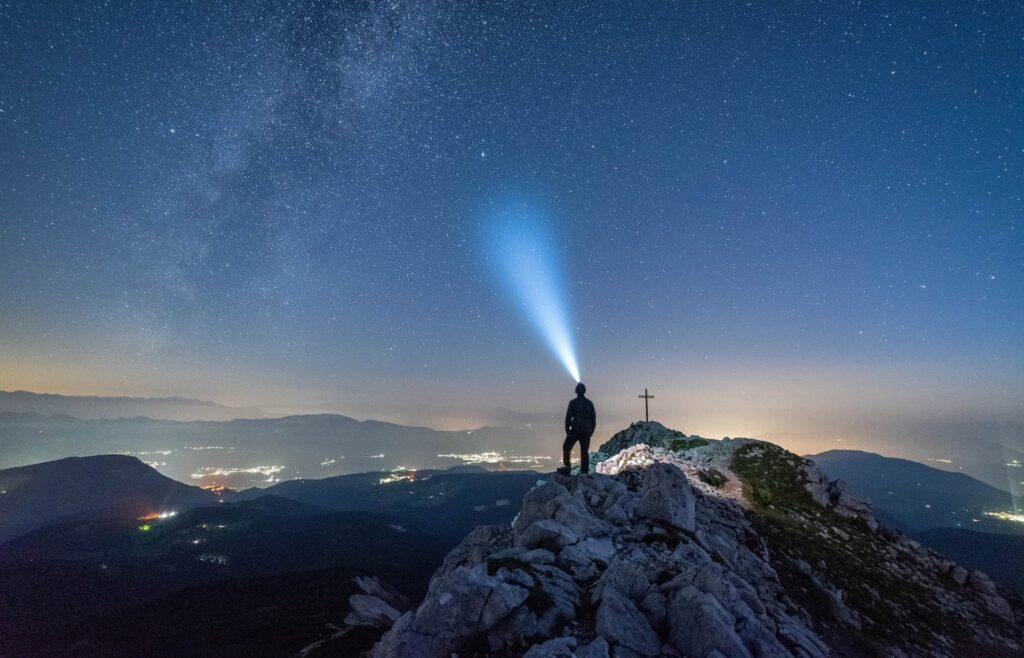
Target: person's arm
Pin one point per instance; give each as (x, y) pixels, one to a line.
(593, 416)
(568, 417)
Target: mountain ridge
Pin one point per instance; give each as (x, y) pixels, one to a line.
(98, 406)
(683, 546)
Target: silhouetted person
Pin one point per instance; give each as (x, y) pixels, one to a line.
(580, 422)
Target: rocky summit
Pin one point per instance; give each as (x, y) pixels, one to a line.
(683, 546)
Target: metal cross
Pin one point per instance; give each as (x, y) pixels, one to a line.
(646, 397)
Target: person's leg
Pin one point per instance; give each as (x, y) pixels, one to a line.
(567, 449)
(584, 454)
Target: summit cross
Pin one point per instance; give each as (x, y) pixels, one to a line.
(647, 411)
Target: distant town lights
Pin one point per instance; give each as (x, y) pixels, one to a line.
(1006, 516)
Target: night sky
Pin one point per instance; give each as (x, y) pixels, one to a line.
(787, 222)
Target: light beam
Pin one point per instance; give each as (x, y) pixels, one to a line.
(528, 264)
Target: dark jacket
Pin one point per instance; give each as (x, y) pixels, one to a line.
(580, 417)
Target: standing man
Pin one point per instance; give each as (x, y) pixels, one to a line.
(580, 422)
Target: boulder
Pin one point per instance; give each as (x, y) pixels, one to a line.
(623, 625)
(459, 605)
(538, 556)
(547, 534)
(553, 501)
(597, 649)
(369, 610)
(625, 577)
(667, 498)
(598, 550)
(578, 564)
(698, 625)
(475, 547)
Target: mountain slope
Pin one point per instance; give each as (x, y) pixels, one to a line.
(918, 496)
(123, 486)
(703, 549)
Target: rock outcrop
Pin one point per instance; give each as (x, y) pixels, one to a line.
(699, 548)
(628, 565)
(832, 493)
(648, 433)
(374, 608)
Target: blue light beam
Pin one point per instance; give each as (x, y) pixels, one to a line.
(528, 264)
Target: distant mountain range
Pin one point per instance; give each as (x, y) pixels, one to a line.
(256, 452)
(91, 407)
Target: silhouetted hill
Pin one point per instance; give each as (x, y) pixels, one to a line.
(118, 485)
(917, 496)
(92, 407)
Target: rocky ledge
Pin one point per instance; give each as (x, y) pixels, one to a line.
(682, 546)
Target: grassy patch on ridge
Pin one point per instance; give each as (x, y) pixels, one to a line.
(842, 554)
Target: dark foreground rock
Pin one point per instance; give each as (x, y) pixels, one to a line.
(652, 559)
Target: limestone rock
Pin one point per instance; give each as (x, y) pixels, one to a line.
(644, 559)
(623, 625)
(649, 433)
(667, 498)
(546, 533)
(369, 610)
(700, 626)
(459, 605)
(475, 547)
(597, 649)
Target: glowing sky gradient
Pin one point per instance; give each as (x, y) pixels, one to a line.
(789, 221)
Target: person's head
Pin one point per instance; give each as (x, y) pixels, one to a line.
(580, 389)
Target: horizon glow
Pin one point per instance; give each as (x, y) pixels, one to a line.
(529, 266)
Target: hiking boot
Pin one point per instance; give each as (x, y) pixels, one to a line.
(563, 470)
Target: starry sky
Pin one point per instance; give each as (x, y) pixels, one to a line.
(789, 220)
